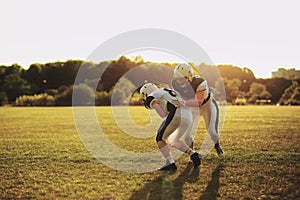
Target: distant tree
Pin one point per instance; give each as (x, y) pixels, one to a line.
(232, 88)
(257, 91)
(57, 78)
(138, 59)
(291, 95)
(3, 98)
(2, 74)
(90, 73)
(52, 92)
(115, 71)
(276, 87)
(64, 97)
(55, 74)
(69, 71)
(219, 90)
(14, 86)
(14, 69)
(296, 96)
(122, 92)
(64, 88)
(245, 75)
(103, 98)
(33, 77)
(209, 72)
(84, 95)
(150, 72)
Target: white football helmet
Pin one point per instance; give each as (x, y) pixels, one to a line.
(184, 70)
(147, 89)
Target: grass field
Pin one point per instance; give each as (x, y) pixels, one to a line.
(42, 157)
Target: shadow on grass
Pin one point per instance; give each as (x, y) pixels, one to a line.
(168, 187)
(212, 190)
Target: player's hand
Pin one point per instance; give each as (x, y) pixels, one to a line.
(178, 102)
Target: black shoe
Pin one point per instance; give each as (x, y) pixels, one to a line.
(196, 158)
(168, 167)
(219, 150)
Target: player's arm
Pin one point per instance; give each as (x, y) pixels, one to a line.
(151, 103)
(198, 100)
(199, 94)
(158, 109)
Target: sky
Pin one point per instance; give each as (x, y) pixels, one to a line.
(262, 35)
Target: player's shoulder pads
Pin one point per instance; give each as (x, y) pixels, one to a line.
(197, 80)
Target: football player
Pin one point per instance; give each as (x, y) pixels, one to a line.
(175, 118)
(195, 92)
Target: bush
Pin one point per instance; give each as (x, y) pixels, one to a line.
(64, 97)
(35, 100)
(240, 101)
(103, 98)
(83, 95)
(52, 92)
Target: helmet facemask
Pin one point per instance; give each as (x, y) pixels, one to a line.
(183, 74)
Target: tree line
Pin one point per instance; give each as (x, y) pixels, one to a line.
(116, 82)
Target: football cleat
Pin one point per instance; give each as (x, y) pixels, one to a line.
(168, 167)
(219, 150)
(196, 158)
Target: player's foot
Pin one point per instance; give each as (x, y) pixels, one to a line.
(190, 158)
(168, 167)
(219, 150)
(196, 158)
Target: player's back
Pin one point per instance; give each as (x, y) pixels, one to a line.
(164, 98)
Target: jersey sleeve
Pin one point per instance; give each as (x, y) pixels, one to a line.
(202, 86)
(199, 84)
(148, 102)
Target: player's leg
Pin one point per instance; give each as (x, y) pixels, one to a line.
(195, 156)
(191, 130)
(210, 115)
(176, 140)
(166, 128)
(180, 145)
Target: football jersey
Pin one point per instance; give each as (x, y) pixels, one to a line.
(188, 92)
(164, 98)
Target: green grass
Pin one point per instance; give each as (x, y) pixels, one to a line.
(42, 157)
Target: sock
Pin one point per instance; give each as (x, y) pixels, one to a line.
(190, 151)
(170, 160)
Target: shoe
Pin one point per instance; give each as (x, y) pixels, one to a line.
(168, 167)
(219, 150)
(196, 158)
